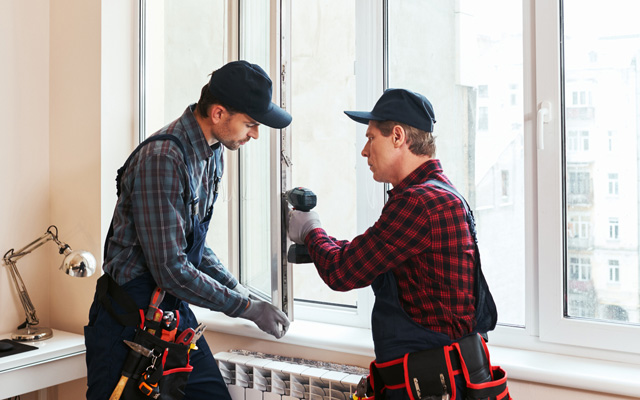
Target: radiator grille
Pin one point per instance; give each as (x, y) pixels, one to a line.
(259, 376)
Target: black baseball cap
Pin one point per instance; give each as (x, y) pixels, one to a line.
(399, 105)
(247, 88)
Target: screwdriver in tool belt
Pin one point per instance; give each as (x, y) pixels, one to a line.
(154, 313)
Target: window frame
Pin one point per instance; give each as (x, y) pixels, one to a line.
(555, 327)
(369, 68)
(546, 326)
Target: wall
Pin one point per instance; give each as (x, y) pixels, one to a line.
(74, 148)
(52, 166)
(93, 103)
(24, 174)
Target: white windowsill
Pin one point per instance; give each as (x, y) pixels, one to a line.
(530, 366)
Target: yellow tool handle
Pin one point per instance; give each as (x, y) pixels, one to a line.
(117, 392)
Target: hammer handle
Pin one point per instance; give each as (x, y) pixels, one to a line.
(117, 392)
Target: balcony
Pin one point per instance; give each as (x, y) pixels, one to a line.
(580, 199)
(578, 243)
(580, 113)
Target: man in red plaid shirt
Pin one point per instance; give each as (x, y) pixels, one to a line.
(420, 257)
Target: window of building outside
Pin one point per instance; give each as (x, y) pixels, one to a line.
(613, 184)
(610, 141)
(614, 271)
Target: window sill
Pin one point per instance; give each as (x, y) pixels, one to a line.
(342, 339)
(566, 371)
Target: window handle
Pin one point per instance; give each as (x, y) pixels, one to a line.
(544, 116)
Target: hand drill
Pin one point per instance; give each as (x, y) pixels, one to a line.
(301, 199)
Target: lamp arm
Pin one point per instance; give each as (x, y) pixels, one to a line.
(29, 309)
(10, 259)
(15, 255)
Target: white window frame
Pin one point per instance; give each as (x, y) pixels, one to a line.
(554, 326)
(369, 71)
(546, 326)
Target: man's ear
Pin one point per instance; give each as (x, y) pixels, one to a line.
(215, 113)
(398, 136)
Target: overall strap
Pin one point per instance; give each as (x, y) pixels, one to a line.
(106, 287)
(150, 139)
(486, 312)
(194, 198)
(470, 219)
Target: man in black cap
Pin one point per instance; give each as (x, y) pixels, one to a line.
(420, 258)
(156, 251)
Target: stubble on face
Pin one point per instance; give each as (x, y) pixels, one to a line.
(232, 127)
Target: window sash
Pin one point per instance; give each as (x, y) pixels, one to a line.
(554, 324)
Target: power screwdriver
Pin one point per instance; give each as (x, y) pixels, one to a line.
(301, 199)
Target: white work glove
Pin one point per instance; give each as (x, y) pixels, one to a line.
(268, 318)
(242, 290)
(301, 223)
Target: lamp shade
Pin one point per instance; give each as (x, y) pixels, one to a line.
(79, 263)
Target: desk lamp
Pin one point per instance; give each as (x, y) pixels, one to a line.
(76, 263)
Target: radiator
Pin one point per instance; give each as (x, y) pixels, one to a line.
(259, 376)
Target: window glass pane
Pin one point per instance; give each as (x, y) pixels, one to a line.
(255, 161)
(601, 93)
(324, 151)
(184, 42)
(467, 59)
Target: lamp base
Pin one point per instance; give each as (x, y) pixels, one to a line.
(31, 333)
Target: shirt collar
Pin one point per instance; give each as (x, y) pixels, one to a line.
(429, 170)
(195, 135)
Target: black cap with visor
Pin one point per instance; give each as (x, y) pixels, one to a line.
(399, 105)
(247, 88)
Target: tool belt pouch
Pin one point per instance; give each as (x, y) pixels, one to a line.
(483, 381)
(169, 368)
(428, 374)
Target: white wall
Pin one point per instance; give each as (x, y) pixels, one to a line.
(24, 163)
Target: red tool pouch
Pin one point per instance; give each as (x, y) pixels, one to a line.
(479, 385)
(430, 374)
(169, 366)
(167, 370)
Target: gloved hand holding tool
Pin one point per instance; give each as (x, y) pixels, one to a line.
(301, 221)
(268, 318)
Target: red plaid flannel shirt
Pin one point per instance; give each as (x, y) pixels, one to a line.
(423, 237)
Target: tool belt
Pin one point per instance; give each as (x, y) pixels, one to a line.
(158, 363)
(430, 374)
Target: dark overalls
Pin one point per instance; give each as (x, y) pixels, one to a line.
(106, 351)
(396, 334)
